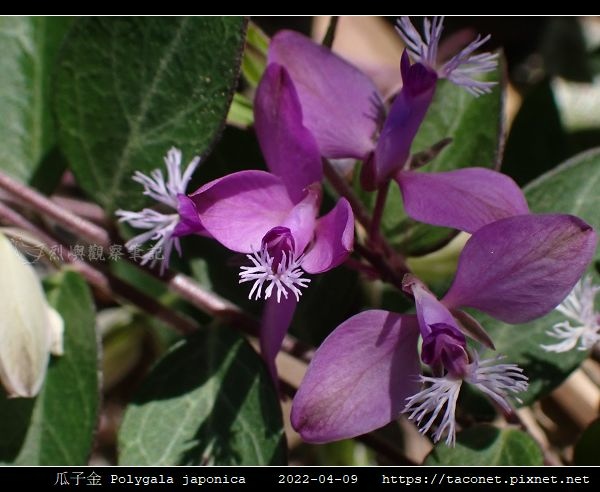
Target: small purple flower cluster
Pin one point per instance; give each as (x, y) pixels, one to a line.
(516, 266)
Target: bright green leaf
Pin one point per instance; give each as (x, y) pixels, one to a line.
(473, 123)
(484, 445)
(208, 401)
(57, 427)
(241, 112)
(129, 88)
(255, 54)
(29, 46)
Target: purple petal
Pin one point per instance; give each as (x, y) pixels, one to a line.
(443, 342)
(359, 378)
(334, 239)
(518, 269)
(465, 199)
(289, 148)
(189, 220)
(341, 105)
(430, 311)
(302, 219)
(239, 209)
(280, 244)
(471, 327)
(276, 319)
(403, 122)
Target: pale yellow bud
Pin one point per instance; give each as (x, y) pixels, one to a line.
(29, 328)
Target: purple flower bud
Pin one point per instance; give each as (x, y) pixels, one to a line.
(461, 68)
(279, 244)
(446, 346)
(401, 125)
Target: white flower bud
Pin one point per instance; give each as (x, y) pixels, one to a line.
(29, 328)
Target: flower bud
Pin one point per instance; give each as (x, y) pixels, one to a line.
(29, 328)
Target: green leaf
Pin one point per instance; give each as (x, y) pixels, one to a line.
(586, 449)
(411, 237)
(129, 88)
(29, 46)
(208, 401)
(522, 346)
(255, 55)
(484, 445)
(475, 126)
(241, 112)
(473, 123)
(348, 452)
(570, 188)
(217, 269)
(57, 427)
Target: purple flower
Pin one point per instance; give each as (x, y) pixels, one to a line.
(498, 381)
(578, 307)
(344, 111)
(164, 229)
(461, 68)
(367, 372)
(272, 217)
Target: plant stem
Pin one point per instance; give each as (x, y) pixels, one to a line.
(87, 230)
(83, 209)
(387, 273)
(330, 34)
(111, 286)
(391, 263)
(361, 267)
(343, 188)
(374, 232)
(104, 282)
(184, 286)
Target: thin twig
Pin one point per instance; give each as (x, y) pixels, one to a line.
(185, 287)
(83, 208)
(93, 234)
(343, 188)
(361, 267)
(375, 232)
(331, 29)
(105, 282)
(113, 286)
(424, 157)
(87, 230)
(393, 260)
(388, 274)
